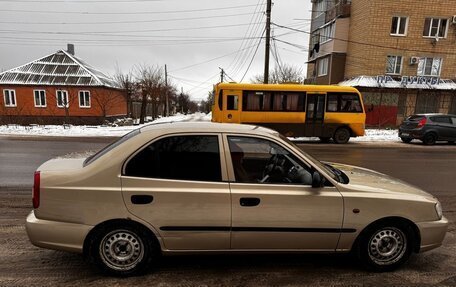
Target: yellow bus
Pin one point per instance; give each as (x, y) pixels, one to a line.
(293, 110)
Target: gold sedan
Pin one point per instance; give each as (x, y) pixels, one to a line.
(183, 188)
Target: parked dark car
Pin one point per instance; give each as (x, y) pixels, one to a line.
(429, 128)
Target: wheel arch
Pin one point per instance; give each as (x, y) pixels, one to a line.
(391, 220)
(119, 222)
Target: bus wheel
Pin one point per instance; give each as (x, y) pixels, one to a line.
(341, 136)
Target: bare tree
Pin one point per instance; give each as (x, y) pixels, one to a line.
(150, 80)
(283, 74)
(127, 83)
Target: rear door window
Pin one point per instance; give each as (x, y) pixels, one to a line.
(188, 157)
(445, 120)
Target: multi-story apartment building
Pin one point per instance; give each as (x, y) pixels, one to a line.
(400, 54)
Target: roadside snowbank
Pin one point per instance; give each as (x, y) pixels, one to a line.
(372, 135)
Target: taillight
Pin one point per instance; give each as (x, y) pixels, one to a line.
(421, 123)
(36, 190)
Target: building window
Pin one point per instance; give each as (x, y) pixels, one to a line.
(84, 99)
(62, 99)
(320, 7)
(40, 98)
(327, 33)
(394, 65)
(399, 26)
(323, 66)
(435, 27)
(9, 96)
(429, 67)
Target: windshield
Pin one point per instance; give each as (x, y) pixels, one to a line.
(331, 171)
(109, 147)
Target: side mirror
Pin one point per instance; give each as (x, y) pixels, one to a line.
(317, 180)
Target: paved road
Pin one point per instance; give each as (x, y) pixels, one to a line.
(432, 168)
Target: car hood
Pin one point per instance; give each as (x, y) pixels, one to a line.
(363, 179)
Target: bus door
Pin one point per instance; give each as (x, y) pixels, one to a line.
(315, 114)
(232, 106)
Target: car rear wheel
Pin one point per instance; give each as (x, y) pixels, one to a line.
(386, 246)
(123, 250)
(341, 136)
(406, 140)
(429, 139)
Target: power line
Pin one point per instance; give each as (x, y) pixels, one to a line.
(362, 43)
(126, 12)
(256, 50)
(246, 34)
(123, 22)
(123, 31)
(204, 62)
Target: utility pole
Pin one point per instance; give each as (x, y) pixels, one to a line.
(268, 39)
(222, 73)
(166, 91)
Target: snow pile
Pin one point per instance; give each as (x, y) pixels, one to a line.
(372, 135)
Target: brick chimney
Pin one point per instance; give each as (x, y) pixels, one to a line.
(70, 49)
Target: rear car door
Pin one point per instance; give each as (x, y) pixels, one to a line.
(177, 183)
(444, 127)
(273, 203)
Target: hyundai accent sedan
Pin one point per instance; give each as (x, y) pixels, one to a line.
(181, 188)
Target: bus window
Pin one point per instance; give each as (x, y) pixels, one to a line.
(273, 101)
(343, 103)
(232, 103)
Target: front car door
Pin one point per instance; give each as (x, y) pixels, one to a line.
(315, 114)
(177, 183)
(273, 203)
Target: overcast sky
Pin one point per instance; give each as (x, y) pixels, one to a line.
(194, 38)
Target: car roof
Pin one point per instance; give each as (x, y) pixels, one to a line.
(434, 114)
(208, 127)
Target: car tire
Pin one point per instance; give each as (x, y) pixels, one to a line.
(406, 140)
(451, 142)
(325, 139)
(123, 249)
(341, 136)
(429, 139)
(385, 246)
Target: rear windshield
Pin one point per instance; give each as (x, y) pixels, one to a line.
(109, 147)
(415, 118)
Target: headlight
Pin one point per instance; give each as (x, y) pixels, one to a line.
(438, 209)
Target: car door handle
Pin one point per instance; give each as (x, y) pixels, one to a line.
(249, 201)
(141, 199)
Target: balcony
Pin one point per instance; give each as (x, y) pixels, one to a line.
(340, 10)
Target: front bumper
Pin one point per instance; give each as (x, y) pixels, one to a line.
(55, 234)
(432, 233)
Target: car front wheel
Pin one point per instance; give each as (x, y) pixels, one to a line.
(386, 246)
(122, 251)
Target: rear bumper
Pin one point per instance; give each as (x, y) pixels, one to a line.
(432, 233)
(55, 234)
(411, 133)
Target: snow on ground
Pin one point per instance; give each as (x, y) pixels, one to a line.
(372, 135)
